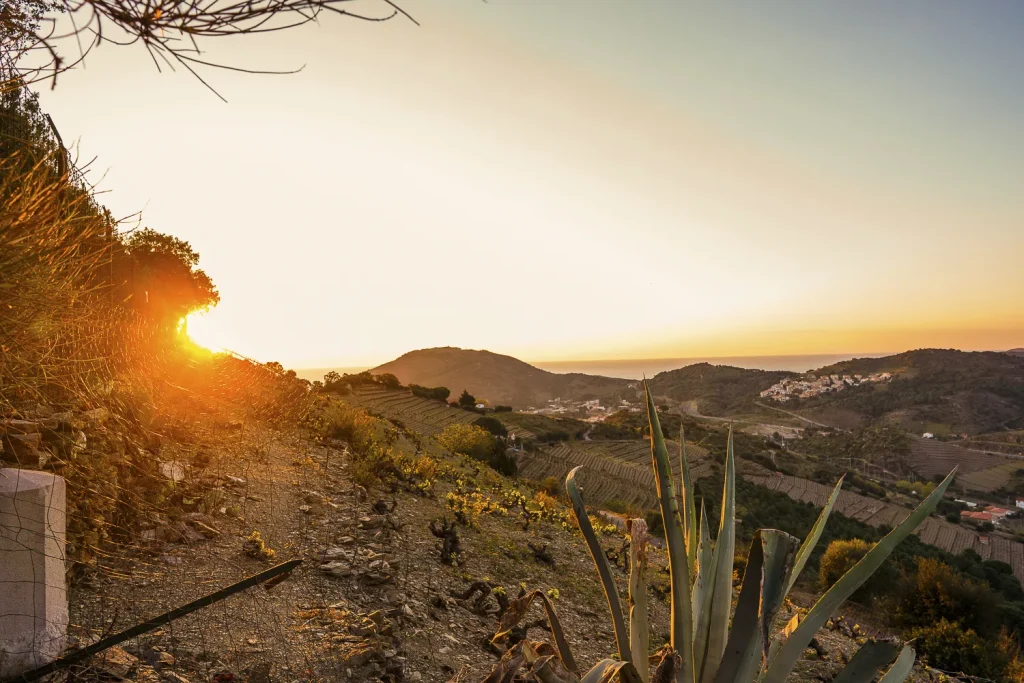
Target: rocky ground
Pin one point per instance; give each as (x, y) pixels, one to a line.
(373, 599)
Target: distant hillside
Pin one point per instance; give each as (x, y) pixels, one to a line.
(502, 380)
(1016, 352)
(717, 389)
(934, 390)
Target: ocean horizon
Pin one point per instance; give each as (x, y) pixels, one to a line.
(640, 367)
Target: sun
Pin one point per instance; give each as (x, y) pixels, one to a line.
(203, 329)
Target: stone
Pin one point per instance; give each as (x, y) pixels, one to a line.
(23, 448)
(34, 608)
(372, 522)
(173, 470)
(117, 661)
(339, 569)
(97, 415)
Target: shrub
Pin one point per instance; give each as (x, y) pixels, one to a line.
(551, 486)
(503, 409)
(433, 393)
(478, 444)
(948, 646)
(388, 380)
(936, 591)
(467, 400)
(492, 424)
(840, 557)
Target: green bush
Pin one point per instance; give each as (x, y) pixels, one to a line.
(492, 424)
(936, 591)
(433, 393)
(840, 556)
(946, 645)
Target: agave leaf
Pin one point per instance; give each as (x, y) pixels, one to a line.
(782, 635)
(639, 630)
(681, 618)
(867, 662)
(689, 505)
(812, 538)
(603, 570)
(545, 665)
(768, 567)
(899, 671)
(608, 670)
(710, 639)
(789, 651)
(507, 667)
(517, 610)
(702, 568)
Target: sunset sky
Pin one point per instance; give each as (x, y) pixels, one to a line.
(571, 179)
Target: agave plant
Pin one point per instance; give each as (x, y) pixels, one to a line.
(703, 648)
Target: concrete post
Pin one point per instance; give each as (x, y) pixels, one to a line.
(33, 590)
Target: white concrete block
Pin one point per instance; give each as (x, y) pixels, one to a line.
(33, 589)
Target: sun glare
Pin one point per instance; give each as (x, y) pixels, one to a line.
(203, 330)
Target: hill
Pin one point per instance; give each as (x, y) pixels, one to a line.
(936, 390)
(502, 380)
(715, 389)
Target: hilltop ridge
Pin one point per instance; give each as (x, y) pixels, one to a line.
(498, 378)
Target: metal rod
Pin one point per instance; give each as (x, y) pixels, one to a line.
(165, 618)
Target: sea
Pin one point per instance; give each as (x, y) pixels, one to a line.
(648, 367)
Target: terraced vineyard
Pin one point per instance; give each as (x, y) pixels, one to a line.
(613, 470)
(979, 470)
(934, 531)
(621, 470)
(419, 414)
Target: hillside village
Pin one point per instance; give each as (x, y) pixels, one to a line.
(812, 385)
(588, 411)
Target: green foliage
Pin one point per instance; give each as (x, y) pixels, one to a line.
(388, 381)
(840, 557)
(948, 646)
(503, 409)
(467, 400)
(168, 284)
(937, 591)
(433, 393)
(478, 444)
(492, 425)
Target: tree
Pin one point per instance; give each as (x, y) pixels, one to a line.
(388, 380)
(167, 283)
(492, 424)
(466, 400)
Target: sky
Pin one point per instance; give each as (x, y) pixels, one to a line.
(585, 179)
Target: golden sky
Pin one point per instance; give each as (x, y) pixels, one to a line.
(562, 179)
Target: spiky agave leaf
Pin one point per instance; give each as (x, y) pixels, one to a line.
(868, 661)
(789, 651)
(769, 566)
(639, 630)
(603, 570)
(712, 631)
(813, 536)
(608, 670)
(517, 610)
(689, 505)
(681, 626)
(901, 668)
(702, 568)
